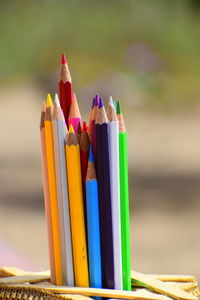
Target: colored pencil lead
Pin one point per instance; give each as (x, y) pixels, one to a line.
(63, 59)
(49, 101)
(71, 129)
(101, 104)
(56, 100)
(91, 158)
(85, 128)
(118, 108)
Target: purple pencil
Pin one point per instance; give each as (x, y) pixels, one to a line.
(103, 174)
(95, 109)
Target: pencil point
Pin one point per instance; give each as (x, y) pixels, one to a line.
(48, 101)
(79, 129)
(84, 127)
(96, 101)
(101, 103)
(118, 108)
(56, 100)
(63, 59)
(71, 129)
(110, 102)
(74, 96)
(91, 158)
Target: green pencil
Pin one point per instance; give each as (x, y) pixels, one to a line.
(124, 201)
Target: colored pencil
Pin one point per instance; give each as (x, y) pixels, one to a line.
(124, 201)
(94, 146)
(91, 111)
(90, 121)
(93, 226)
(115, 104)
(76, 210)
(46, 194)
(52, 189)
(65, 87)
(84, 153)
(79, 131)
(113, 142)
(74, 114)
(59, 132)
(103, 173)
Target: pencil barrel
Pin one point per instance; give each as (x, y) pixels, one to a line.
(124, 204)
(115, 201)
(77, 216)
(53, 201)
(93, 229)
(103, 173)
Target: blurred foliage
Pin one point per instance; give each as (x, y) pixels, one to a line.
(155, 43)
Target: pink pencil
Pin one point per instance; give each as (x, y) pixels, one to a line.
(74, 114)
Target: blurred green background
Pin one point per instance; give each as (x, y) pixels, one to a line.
(145, 53)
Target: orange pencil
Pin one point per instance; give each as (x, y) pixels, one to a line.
(52, 188)
(46, 194)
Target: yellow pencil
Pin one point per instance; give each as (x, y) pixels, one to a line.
(76, 210)
(52, 188)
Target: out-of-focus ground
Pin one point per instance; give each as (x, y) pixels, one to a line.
(164, 185)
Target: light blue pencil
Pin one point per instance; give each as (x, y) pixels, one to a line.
(93, 226)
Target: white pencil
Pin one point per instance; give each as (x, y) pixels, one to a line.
(115, 192)
(59, 134)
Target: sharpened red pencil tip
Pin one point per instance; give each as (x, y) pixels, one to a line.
(63, 59)
(85, 128)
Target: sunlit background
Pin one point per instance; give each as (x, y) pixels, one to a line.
(145, 54)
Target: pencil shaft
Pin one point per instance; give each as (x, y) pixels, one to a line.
(77, 216)
(65, 91)
(115, 199)
(84, 164)
(124, 203)
(53, 200)
(47, 204)
(105, 206)
(63, 205)
(93, 229)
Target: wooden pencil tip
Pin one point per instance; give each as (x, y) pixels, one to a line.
(71, 129)
(93, 101)
(118, 108)
(49, 101)
(79, 129)
(74, 97)
(43, 106)
(63, 59)
(56, 100)
(85, 128)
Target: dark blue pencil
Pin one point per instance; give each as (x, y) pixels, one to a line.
(103, 176)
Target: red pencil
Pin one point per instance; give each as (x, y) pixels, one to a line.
(65, 87)
(84, 153)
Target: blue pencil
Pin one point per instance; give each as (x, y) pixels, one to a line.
(93, 226)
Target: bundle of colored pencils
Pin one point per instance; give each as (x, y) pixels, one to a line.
(85, 179)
